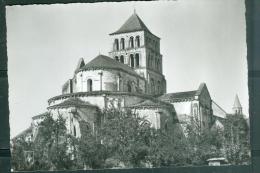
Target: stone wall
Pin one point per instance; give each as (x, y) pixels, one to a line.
(74, 115)
(103, 100)
(107, 80)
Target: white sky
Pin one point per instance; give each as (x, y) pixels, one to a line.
(201, 41)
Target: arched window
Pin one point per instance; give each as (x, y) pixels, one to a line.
(74, 131)
(152, 62)
(116, 44)
(131, 42)
(120, 85)
(129, 88)
(132, 61)
(116, 58)
(137, 60)
(137, 41)
(152, 86)
(122, 59)
(122, 43)
(149, 61)
(89, 82)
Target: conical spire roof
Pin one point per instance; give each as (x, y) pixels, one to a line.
(133, 23)
(237, 103)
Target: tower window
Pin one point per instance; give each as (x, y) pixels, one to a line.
(137, 60)
(116, 44)
(122, 42)
(137, 40)
(89, 82)
(152, 62)
(158, 64)
(149, 61)
(132, 60)
(74, 131)
(122, 59)
(131, 42)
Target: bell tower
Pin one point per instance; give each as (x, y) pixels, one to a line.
(237, 108)
(134, 45)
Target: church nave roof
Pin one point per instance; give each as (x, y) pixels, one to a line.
(76, 102)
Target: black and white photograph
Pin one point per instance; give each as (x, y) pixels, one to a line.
(123, 85)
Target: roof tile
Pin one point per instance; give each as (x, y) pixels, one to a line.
(73, 102)
(133, 23)
(178, 95)
(105, 62)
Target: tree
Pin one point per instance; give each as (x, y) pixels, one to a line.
(51, 145)
(125, 139)
(203, 143)
(91, 152)
(130, 139)
(167, 148)
(236, 142)
(125, 136)
(18, 150)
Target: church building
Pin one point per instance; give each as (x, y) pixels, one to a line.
(130, 77)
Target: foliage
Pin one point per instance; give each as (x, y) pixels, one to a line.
(18, 149)
(51, 145)
(130, 139)
(167, 149)
(91, 152)
(125, 136)
(125, 139)
(203, 143)
(236, 141)
(232, 142)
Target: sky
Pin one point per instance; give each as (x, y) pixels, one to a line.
(201, 41)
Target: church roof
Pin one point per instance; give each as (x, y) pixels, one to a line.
(179, 95)
(132, 24)
(39, 116)
(151, 104)
(186, 95)
(75, 102)
(218, 111)
(237, 103)
(105, 62)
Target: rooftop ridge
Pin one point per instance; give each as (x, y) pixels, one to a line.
(132, 24)
(105, 62)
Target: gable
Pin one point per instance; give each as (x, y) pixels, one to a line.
(203, 94)
(133, 23)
